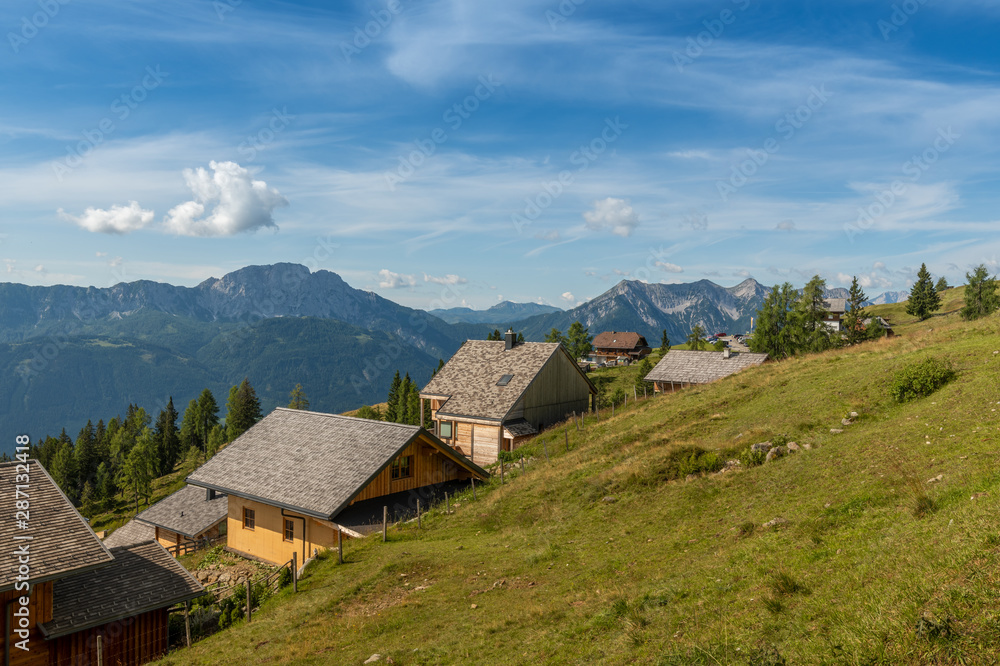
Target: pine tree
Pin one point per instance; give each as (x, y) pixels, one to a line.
(169, 438)
(438, 368)
(980, 294)
(810, 311)
(208, 416)
(189, 428)
(664, 343)
(393, 400)
(138, 473)
(495, 335)
(86, 453)
(854, 318)
(942, 284)
(403, 406)
(64, 470)
(924, 299)
(555, 335)
(520, 338)
(105, 486)
(413, 402)
(578, 341)
(695, 339)
(216, 438)
(774, 332)
(298, 398)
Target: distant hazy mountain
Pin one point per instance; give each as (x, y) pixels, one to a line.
(72, 353)
(650, 308)
(501, 313)
(890, 297)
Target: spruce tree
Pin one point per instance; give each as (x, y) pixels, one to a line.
(242, 410)
(980, 294)
(774, 332)
(208, 416)
(578, 342)
(520, 338)
(695, 339)
(924, 299)
(403, 406)
(86, 453)
(942, 284)
(189, 428)
(393, 400)
(664, 343)
(555, 335)
(854, 318)
(810, 311)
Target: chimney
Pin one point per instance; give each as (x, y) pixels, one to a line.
(209, 495)
(726, 353)
(509, 338)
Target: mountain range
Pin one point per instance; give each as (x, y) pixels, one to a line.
(68, 354)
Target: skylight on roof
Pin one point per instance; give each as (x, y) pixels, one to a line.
(505, 380)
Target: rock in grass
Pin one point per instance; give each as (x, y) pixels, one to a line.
(372, 659)
(774, 453)
(846, 422)
(762, 447)
(793, 447)
(774, 522)
(835, 431)
(936, 479)
(609, 499)
(854, 415)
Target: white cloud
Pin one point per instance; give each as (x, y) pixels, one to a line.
(551, 236)
(389, 280)
(879, 266)
(39, 268)
(237, 203)
(669, 267)
(690, 154)
(614, 214)
(785, 225)
(100, 254)
(446, 280)
(568, 296)
(742, 274)
(115, 220)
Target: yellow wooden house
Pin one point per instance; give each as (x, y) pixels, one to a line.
(297, 478)
(491, 396)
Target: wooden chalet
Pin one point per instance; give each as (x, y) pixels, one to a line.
(297, 478)
(78, 589)
(835, 310)
(612, 345)
(186, 517)
(680, 369)
(491, 396)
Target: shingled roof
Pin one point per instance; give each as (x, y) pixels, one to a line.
(468, 381)
(143, 577)
(701, 367)
(187, 512)
(619, 340)
(310, 462)
(61, 540)
(835, 304)
(130, 533)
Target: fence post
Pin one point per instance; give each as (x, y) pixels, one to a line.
(100, 648)
(447, 504)
(635, 393)
(612, 409)
(566, 432)
(249, 606)
(385, 522)
(418, 514)
(522, 463)
(501, 472)
(473, 487)
(295, 572)
(187, 623)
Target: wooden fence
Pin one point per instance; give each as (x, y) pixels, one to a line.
(191, 546)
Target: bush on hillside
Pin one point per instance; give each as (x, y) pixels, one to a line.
(750, 458)
(920, 379)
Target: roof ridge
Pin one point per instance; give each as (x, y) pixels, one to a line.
(342, 416)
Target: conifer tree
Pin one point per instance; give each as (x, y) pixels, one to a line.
(64, 470)
(980, 294)
(85, 451)
(774, 332)
(695, 339)
(664, 343)
(189, 427)
(924, 299)
(809, 313)
(520, 338)
(579, 342)
(555, 335)
(298, 398)
(242, 410)
(208, 416)
(393, 401)
(854, 318)
(942, 284)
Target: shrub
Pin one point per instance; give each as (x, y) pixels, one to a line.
(285, 578)
(225, 618)
(751, 458)
(686, 460)
(920, 379)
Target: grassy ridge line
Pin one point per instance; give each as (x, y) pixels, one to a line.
(684, 572)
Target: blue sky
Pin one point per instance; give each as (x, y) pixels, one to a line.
(465, 152)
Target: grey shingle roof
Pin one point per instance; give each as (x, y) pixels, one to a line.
(130, 533)
(701, 367)
(469, 379)
(520, 428)
(143, 577)
(62, 541)
(310, 462)
(835, 304)
(186, 512)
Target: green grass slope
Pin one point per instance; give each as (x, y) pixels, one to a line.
(872, 564)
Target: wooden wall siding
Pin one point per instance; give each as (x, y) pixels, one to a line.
(267, 539)
(135, 640)
(39, 612)
(486, 441)
(428, 467)
(463, 437)
(168, 539)
(557, 391)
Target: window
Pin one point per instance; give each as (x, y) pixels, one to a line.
(446, 429)
(289, 530)
(402, 468)
(248, 518)
(505, 380)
